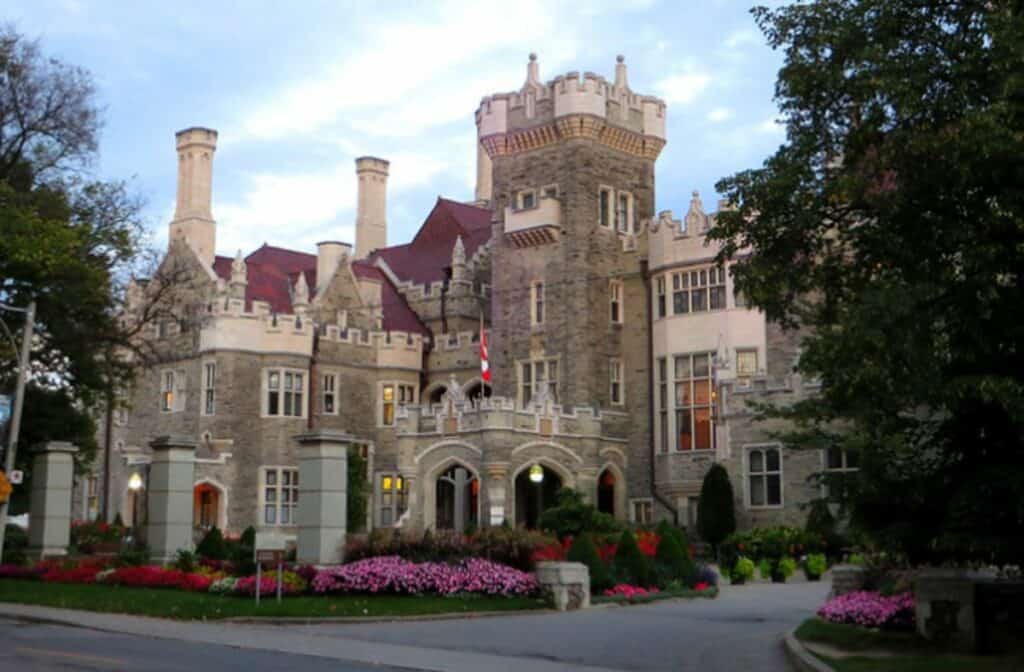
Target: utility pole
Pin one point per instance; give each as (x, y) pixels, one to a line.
(19, 404)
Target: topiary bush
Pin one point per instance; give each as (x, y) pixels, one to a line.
(674, 563)
(583, 550)
(664, 529)
(814, 566)
(630, 565)
(716, 513)
(572, 517)
(212, 545)
(742, 571)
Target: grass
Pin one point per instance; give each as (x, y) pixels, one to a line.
(909, 652)
(168, 603)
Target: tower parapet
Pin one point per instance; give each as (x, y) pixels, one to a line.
(572, 106)
(193, 220)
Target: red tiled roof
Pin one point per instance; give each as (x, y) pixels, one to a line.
(425, 258)
(398, 316)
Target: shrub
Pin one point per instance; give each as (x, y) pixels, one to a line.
(212, 545)
(666, 529)
(242, 553)
(673, 562)
(856, 559)
(631, 566)
(86, 535)
(508, 546)
(393, 574)
(716, 513)
(706, 575)
(787, 567)
(815, 565)
(132, 555)
(358, 493)
(743, 569)
(572, 517)
(155, 577)
(764, 568)
(11, 571)
(15, 546)
(583, 550)
(871, 610)
(185, 561)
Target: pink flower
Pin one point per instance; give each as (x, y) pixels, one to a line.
(870, 609)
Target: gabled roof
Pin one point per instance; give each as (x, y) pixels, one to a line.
(425, 258)
(398, 316)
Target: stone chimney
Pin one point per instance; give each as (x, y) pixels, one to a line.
(193, 220)
(330, 254)
(371, 218)
(483, 174)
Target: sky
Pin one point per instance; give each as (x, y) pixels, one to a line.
(297, 90)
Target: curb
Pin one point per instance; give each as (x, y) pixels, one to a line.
(356, 620)
(801, 659)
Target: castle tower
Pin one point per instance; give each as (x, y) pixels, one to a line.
(371, 217)
(193, 219)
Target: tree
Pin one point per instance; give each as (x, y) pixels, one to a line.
(631, 565)
(583, 550)
(889, 229)
(572, 517)
(716, 512)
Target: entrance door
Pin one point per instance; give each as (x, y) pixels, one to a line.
(536, 491)
(458, 498)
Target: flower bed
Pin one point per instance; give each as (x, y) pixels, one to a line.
(629, 592)
(871, 609)
(155, 577)
(392, 574)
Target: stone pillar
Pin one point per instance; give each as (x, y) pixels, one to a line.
(49, 529)
(847, 579)
(323, 496)
(497, 475)
(567, 583)
(169, 493)
(586, 485)
(944, 608)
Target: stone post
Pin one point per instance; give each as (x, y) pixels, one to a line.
(323, 496)
(944, 608)
(567, 584)
(49, 529)
(169, 492)
(847, 579)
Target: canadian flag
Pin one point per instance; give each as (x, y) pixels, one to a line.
(485, 365)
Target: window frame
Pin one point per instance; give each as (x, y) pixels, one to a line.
(843, 471)
(647, 515)
(537, 303)
(332, 392)
(695, 288)
(742, 376)
(279, 503)
(616, 382)
(283, 392)
(606, 209)
(393, 499)
(765, 473)
(616, 305)
(521, 197)
(527, 371)
(661, 302)
(209, 406)
(402, 394)
(172, 382)
(624, 217)
(662, 402)
(691, 410)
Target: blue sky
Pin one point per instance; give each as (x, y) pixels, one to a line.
(298, 90)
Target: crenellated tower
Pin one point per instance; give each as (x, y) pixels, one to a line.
(193, 219)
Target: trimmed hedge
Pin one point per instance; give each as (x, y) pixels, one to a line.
(631, 566)
(583, 550)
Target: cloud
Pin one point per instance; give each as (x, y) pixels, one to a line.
(742, 37)
(683, 88)
(720, 114)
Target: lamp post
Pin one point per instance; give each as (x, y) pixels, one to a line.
(135, 484)
(19, 401)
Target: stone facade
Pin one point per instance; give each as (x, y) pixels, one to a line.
(561, 261)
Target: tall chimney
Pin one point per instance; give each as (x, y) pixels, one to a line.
(371, 221)
(483, 174)
(193, 220)
(330, 254)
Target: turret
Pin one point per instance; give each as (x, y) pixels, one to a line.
(193, 220)
(458, 260)
(371, 218)
(330, 254)
(239, 276)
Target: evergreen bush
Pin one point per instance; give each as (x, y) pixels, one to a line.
(716, 513)
(572, 517)
(631, 566)
(357, 496)
(673, 562)
(212, 545)
(583, 550)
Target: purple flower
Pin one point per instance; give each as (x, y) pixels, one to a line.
(870, 609)
(392, 574)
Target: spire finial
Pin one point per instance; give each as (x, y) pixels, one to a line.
(238, 268)
(301, 296)
(620, 72)
(532, 71)
(620, 59)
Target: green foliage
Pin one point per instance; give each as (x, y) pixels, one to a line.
(572, 517)
(856, 559)
(15, 546)
(185, 560)
(815, 565)
(769, 542)
(716, 513)
(889, 229)
(583, 550)
(242, 553)
(666, 529)
(630, 565)
(673, 562)
(358, 494)
(212, 545)
(134, 555)
(507, 545)
(744, 568)
(787, 567)
(764, 568)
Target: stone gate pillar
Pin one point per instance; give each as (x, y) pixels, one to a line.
(323, 496)
(53, 471)
(169, 492)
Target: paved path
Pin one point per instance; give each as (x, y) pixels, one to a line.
(741, 630)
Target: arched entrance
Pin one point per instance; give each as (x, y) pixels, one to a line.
(477, 390)
(537, 489)
(437, 394)
(606, 483)
(458, 499)
(207, 506)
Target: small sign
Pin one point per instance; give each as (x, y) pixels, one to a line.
(17, 476)
(271, 548)
(5, 488)
(269, 558)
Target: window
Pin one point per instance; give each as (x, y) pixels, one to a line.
(624, 212)
(694, 399)
(329, 398)
(615, 301)
(161, 329)
(615, 381)
(550, 191)
(527, 199)
(390, 394)
(280, 495)
(764, 475)
(394, 497)
(167, 391)
(663, 404)
(841, 467)
(406, 395)
(698, 291)
(660, 284)
(285, 393)
(209, 387)
(746, 365)
(642, 511)
(537, 373)
(605, 207)
(537, 300)
(92, 498)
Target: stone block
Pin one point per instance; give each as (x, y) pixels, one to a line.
(171, 476)
(847, 579)
(568, 583)
(944, 610)
(50, 505)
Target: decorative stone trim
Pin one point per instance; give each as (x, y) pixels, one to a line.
(567, 583)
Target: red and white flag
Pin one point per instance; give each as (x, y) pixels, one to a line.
(485, 365)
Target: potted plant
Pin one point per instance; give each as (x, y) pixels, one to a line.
(742, 572)
(783, 569)
(764, 568)
(814, 566)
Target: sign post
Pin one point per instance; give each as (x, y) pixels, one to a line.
(270, 551)
(19, 403)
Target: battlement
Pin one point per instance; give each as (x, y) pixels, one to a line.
(571, 105)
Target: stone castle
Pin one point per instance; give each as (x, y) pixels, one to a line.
(622, 358)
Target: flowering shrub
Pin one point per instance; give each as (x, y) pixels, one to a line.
(225, 585)
(648, 543)
(20, 572)
(392, 574)
(553, 552)
(508, 546)
(870, 609)
(155, 577)
(87, 534)
(291, 584)
(701, 585)
(629, 592)
(57, 571)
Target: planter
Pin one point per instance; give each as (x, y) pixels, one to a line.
(737, 580)
(778, 576)
(812, 577)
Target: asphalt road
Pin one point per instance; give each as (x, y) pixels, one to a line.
(27, 646)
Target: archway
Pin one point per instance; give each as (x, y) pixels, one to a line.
(477, 390)
(537, 489)
(457, 499)
(207, 506)
(606, 484)
(436, 394)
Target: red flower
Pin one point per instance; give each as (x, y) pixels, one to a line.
(701, 586)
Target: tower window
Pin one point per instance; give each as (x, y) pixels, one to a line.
(537, 313)
(527, 199)
(605, 207)
(624, 212)
(615, 301)
(615, 381)
(661, 296)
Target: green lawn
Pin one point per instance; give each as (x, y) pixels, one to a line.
(911, 653)
(204, 606)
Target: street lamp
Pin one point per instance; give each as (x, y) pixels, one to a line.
(536, 473)
(135, 484)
